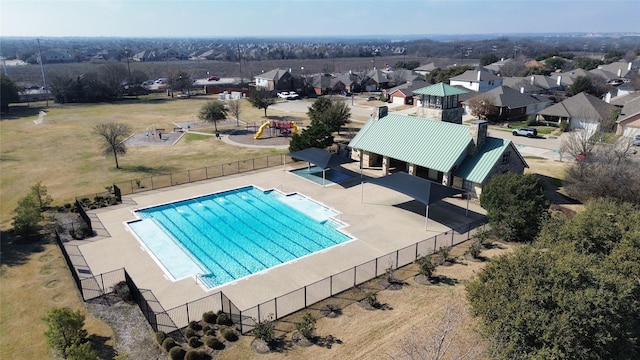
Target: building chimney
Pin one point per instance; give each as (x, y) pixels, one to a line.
(607, 98)
(521, 89)
(559, 81)
(533, 79)
(479, 75)
(619, 72)
(379, 112)
(478, 133)
(629, 66)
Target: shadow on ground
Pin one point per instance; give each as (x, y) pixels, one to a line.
(16, 249)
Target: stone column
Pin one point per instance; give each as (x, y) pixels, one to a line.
(412, 169)
(385, 166)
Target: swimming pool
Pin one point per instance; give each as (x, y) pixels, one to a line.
(331, 176)
(226, 236)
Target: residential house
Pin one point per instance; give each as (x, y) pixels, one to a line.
(401, 76)
(403, 94)
(479, 80)
(350, 81)
(566, 79)
(495, 67)
(57, 56)
(375, 80)
(145, 55)
(534, 84)
(628, 122)
(581, 111)
(440, 102)
(619, 69)
(511, 104)
(425, 70)
(454, 155)
(275, 80)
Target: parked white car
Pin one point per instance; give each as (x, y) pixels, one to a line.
(288, 95)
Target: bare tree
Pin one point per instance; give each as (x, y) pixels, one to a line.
(482, 106)
(113, 134)
(234, 110)
(443, 340)
(577, 143)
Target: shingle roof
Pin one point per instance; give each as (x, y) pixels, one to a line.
(472, 75)
(582, 106)
(504, 96)
(614, 67)
(440, 89)
(604, 74)
(429, 143)
(409, 87)
(630, 109)
(476, 168)
(274, 74)
(540, 81)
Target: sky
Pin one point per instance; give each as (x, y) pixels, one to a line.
(271, 18)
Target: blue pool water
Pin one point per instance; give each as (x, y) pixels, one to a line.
(229, 235)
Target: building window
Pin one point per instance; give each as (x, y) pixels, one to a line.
(505, 157)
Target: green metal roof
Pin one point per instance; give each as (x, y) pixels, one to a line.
(429, 143)
(477, 168)
(440, 89)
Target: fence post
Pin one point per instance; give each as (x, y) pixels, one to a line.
(258, 314)
(253, 163)
(171, 179)
(331, 285)
(355, 275)
(305, 296)
(102, 281)
(187, 307)
(206, 172)
(452, 233)
(238, 167)
(189, 175)
(275, 302)
(435, 244)
(376, 273)
(152, 183)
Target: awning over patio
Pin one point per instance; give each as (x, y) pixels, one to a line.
(320, 158)
(422, 190)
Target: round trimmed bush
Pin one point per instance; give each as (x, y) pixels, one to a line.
(189, 332)
(195, 342)
(210, 317)
(210, 332)
(168, 343)
(214, 343)
(177, 353)
(223, 319)
(160, 336)
(196, 355)
(206, 328)
(230, 335)
(195, 325)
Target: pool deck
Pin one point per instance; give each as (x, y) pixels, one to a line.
(382, 222)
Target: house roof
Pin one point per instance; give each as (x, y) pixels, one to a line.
(582, 106)
(427, 67)
(536, 81)
(622, 100)
(472, 75)
(604, 74)
(476, 168)
(630, 109)
(440, 89)
(409, 88)
(504, 96)
(614, 67)
(377, 76)
(275, 74)
(429, 143)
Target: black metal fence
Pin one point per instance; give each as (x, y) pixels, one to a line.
(193, 175)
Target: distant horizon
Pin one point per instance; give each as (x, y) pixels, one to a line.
(269, 19)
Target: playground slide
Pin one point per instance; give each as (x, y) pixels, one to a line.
(261, 129)
(295, 127)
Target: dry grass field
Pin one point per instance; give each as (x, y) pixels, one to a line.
(66, 157)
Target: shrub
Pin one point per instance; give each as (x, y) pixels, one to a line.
(474, 250)
(194, 342)
(122, 290)
(565, 126)
(444, 251)
(177, 353)
(264, 330)
(196, 355)
(210, 332)
(195, 325)
(426, 266)
(28, 216)
(168, 343)
(210, 317)
(206, 328)
(189, 332)
(160, 336)
(81, 351)
(223, 319)
(307, 326)
(532, 121)
(213, 343)
(65, 328)
(230, 335)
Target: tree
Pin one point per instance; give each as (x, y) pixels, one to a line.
(113, 135)
(586, 63)
(482, 106)
(581, 84)
(65, 329)
(213, 111)
(110, 79)
(317, 135)
(28, 216)
(9, 92)
(443, 75)
(332, 114)
(573, 295)
(488, 58)
(515, 205)
(555, 63)
(81, 351)
(261, 99)
(40, 193)
(181, 81)
(234, 109)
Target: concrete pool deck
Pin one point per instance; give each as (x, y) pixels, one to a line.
(382, 222)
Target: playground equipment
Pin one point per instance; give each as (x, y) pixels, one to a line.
(42, 118)
(285, 127)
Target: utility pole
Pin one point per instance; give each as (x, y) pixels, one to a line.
(44, 79)
(128, 67)
(240, 66)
